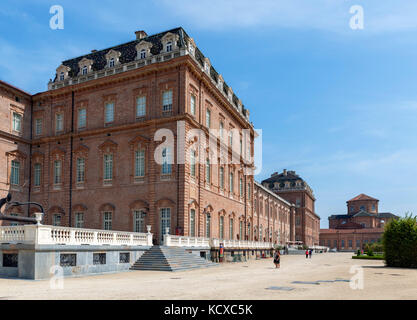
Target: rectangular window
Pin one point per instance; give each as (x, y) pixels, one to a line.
(56, 220)
(192, 223)
(109, 113)
(192, 163)
(231, 182)
(221, 131)
(38, 126)
(124, 257)
(107, 220)
(358, 243)
(241, 230)
(343, 243)
(231, 229)
(140, 163)
(249, 192)
(222, 178)
(17, 122)
(166, 161)
(208, 118)
(208, 171)
(57, 172)
(15, 173)
(350, 243)
(82, 118)
(37, 174)
(221, 227)
(139, 221)
(167, 101)
(99, 258)
(192, 105)
(80, 169)
(241, 187)
(208, 223)
(140, 107)
(59, 122)
(68, 259)
(79, 220)
(108, 167)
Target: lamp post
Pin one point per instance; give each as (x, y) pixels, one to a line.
(38, 215)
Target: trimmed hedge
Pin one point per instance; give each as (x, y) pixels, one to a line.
(365, 257)
(400, 242)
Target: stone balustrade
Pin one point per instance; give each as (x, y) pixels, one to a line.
(183, 241)
(241, 244)
(52, 235)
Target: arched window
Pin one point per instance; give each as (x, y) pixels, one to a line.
(61, 76)
(85, 70)
(111, 63)
(143, 54)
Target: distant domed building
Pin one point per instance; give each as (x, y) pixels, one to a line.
(362, 224)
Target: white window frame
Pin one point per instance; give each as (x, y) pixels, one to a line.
(192, 104)
(57, 171)
(167, 98)
(107, 220)
(82, 118)
(138, 221)
(59, 122)
(208, 118)
(17, 122)
(80, 170)
(139, 163)
(38, 126)
(37, 168)
(166, 160)
(192, 222)
(140, 106)
(108, 167)
(109, 113)
(15, 173)
(56, 219)
(79, 219)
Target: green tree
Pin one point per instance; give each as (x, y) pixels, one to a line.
(400, 242)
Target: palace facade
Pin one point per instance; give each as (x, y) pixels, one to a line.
(362, 224)
(101, 148)
(291, 187)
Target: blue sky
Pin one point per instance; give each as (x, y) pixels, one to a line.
(337, 105)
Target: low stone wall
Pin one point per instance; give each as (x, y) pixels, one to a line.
(43, 261)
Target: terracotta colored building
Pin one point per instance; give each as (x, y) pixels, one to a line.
(95, 149)
(362, 224)
(291, 187)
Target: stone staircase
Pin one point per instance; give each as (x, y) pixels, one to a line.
(161, 258)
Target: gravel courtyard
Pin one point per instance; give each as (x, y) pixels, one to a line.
(325, 276)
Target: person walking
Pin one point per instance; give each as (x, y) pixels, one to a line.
(310, 253)
(277, 259)
(307, 254)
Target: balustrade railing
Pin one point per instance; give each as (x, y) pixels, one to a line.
(40, 234)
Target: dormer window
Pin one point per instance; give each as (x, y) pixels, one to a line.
(84, 70)
(191, 49)
(111, 63)
(169, 46)
(61, 76)
(143, 54)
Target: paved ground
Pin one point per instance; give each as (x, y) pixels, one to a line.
(234, 281)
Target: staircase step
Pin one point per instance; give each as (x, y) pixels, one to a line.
(160, 258)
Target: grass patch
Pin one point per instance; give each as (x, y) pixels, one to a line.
(366, 257)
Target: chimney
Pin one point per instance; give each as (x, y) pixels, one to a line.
(93, 51)
(140, 34)
(285, 172)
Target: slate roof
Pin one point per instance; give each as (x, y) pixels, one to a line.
(362, 197)
(339, 216)
(127, 50)
(290, 176)
(128, 54)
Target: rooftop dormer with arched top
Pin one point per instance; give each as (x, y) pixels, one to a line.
(86, 66)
